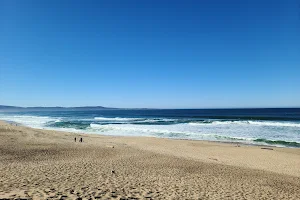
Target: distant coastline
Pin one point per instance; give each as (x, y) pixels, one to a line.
(6, 108)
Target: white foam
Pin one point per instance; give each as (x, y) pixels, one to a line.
(208, 131)
(244, 122)
(138, 120)
(278, 124)
(133, 128)
(159, 120)
(28, 120)
(117, 119)
(211, 130)
(179, 131)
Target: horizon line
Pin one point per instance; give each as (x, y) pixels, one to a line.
(284, 107)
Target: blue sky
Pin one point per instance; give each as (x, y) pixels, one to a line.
(155, 54)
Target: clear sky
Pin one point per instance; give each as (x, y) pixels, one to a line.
(161, 54)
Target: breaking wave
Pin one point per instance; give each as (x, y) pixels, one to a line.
(278, 142)
(245, 122)
(266, 132)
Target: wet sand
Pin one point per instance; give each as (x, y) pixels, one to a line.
(41, 164)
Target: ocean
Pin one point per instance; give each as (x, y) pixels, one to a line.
(274, 127)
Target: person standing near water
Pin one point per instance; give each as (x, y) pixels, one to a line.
(75, 139)
(80, 140)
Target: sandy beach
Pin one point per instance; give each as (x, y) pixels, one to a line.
(41, 164)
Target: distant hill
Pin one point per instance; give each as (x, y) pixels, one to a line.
(4, 108)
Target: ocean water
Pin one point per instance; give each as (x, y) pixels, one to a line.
(274, 127)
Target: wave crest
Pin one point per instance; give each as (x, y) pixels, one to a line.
(278, 142)
(257, 123)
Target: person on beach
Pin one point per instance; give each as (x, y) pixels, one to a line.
(80, 140)
(75, 139)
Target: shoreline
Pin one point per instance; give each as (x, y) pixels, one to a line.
(214, 141)
(158, 139)
(41, 163)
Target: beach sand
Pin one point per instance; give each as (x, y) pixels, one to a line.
(41, 164)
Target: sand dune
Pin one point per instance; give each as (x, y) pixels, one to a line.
(40, 164)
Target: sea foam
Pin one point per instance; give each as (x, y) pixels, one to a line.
(276, 133)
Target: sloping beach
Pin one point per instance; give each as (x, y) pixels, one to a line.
(41, 164)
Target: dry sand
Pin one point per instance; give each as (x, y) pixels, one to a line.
(41, 164)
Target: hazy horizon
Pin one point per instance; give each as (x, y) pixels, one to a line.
(82, 106)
